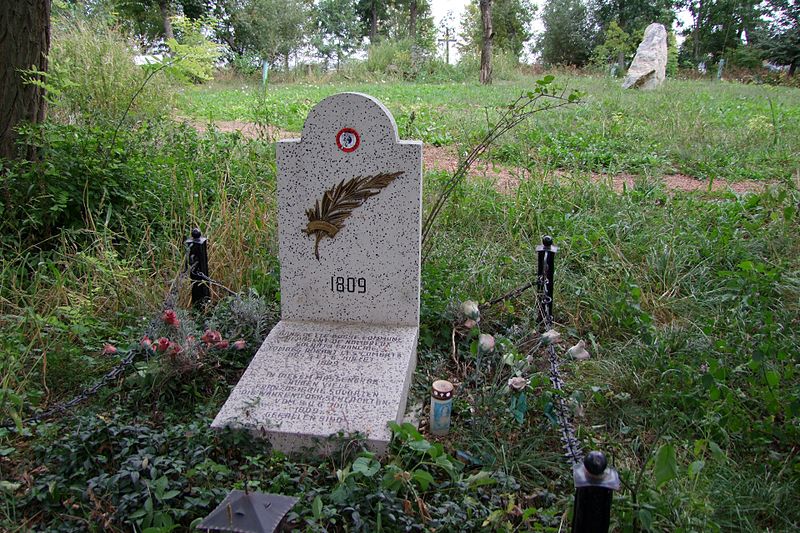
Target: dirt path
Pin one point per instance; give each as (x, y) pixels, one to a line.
(506, 178)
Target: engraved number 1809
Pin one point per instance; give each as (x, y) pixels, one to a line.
(348, 284)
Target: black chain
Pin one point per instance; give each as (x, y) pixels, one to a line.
(115, 373)
(569, 440)
(210, 281)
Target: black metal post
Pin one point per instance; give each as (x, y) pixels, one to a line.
(197, 250)
(544, 278)
(594, 488)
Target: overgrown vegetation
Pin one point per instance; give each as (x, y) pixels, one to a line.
(688, 303)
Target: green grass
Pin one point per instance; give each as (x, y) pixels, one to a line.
(703, 129)
(688, 302)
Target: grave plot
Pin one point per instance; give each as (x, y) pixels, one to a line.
(349, 220)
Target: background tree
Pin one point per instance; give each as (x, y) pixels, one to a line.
(371, 13)
(633, 15)
(721, 26)
(617, 46)
(783, 44)
(337, 31)
(511, 22)
(24, 44)
(486, 48)
(567, 37)
(272, 29)
(150, 20)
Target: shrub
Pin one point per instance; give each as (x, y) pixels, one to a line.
(92, 75)
(195, 55)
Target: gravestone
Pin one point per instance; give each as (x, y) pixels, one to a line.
(649, 66)
(349, 221)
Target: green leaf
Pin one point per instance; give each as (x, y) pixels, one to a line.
(366, 466)
(716, 451)
(316, 507)
(773, 378)
(423, 478)
(695, 468)
(420, 445)
(484, 477)
(666, 467)
(645, 518)
(170, 494)
(519, 406)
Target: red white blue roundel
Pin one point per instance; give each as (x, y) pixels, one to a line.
(347, 139)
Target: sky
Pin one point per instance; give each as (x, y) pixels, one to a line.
(441, 8)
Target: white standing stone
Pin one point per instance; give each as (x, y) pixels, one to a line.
(649, 66)
(349, 223)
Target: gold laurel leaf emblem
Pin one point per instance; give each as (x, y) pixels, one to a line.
(327, 217)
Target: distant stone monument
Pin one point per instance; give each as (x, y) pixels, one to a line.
(649, 66)
(349, 220)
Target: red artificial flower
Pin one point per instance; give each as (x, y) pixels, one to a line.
(175, 348)
(240, 344)
(222, 344)
(211, 337)
(109, 349)
(146, 342)
(170, 318)
(163, 344)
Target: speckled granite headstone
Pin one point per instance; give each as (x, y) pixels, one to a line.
(349, 220)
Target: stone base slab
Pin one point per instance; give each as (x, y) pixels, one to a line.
(311, 380)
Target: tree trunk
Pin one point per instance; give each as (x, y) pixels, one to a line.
(488, 36)
(412, 20)
(621, 63)
(373, 21)
(24, 44)
(163, 5)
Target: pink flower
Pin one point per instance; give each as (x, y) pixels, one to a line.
(109, 349)
(240, 344)
(211, 337)
(146, 343)
(175, 348)
(222, 344)
(163, 344)
(485, 343)
(170, 318)
(469, 323)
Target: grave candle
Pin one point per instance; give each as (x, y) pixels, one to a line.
(441, 406)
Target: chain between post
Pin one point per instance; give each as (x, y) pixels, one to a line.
(170, 300)
(569, 439)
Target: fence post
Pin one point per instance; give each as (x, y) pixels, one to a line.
(544, 278)
(594, 488)
(198, 268)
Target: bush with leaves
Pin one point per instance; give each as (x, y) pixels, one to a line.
(194, 54)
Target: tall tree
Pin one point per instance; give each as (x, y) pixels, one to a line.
(567, 36)
(336, 29)
(163, 7)
(371, 13)
(783, 45)
(488, 36)
(511, 21)
(412, 19)
(273, 29)
(150, 19)
(633, 15)
(721, 25)
(24, 45)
